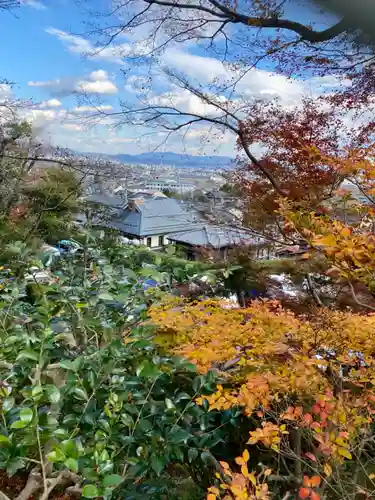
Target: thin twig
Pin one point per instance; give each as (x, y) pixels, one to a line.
(357, 301)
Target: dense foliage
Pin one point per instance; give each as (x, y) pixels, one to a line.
(112, 388)
(306, 386)
(90, 405)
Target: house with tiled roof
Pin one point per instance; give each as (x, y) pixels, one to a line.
(156, 222)
(219, 239)
(152, 220)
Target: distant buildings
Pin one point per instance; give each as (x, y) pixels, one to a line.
(170, 185)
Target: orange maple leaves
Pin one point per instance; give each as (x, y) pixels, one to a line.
(307, 491)
(269, 435)
(241, 486)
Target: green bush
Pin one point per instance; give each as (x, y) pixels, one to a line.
(89, 405)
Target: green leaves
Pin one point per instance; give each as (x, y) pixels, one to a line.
(147, 369)
(18, 424)
(170, 249)
(14, 465)
(26, 416)
(53, 393)
(56, 456)
(8, 404)
(105, 296)
(90, 491)
(178, 435)
(157, 463)
(4, 440)
(80, 393)
(144, 425)
(70, 365)
(69, 448)
(28, 354)
(71, 464)
(127, 420)
(67, 452)
(111, 481)
(192, 454)
(5, 391)
(208, 459)
(129, 273)
(102, 402)
(169, 404)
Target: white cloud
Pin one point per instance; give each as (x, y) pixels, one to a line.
(5, 91)
(196, 133)
(68, 126)
(92, 109)
(255, 83)
(96, 142)
(35, 4)
(137, 83)
(97, 82)
(204, 69)
(115, 53)
(185, 101)
(51, 103)
(79, 45)
(72, 126)
(100, 75)
(75, 44)
(120, 140)
(250, 84)
(8, 103)
(96, 87)
(40, 116)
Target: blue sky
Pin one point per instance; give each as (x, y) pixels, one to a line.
(45, 56)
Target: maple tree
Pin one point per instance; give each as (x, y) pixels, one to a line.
(309, 150)
(296, 142)
(307, 386)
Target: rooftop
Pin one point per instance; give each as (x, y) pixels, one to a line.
(153, 216)
(108, 200)
(216, 237)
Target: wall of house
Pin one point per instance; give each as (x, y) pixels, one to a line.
(266, 252)
(177, 186)
(154, 241)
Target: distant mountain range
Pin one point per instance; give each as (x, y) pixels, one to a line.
(178, 160)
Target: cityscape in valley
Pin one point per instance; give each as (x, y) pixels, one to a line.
(187, 250)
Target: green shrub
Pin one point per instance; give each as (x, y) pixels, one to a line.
(88, 403)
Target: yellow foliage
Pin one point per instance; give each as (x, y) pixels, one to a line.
(240, 486)
(350, 250)
(267, 355)
(269, 435)
(265, 350)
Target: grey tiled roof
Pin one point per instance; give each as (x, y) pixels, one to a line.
(106, 199)
(216, 237)
(155, 216)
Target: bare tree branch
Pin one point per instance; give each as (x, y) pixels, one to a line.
(305, 32)
(223, 12)
(313, 291)
(357, 301)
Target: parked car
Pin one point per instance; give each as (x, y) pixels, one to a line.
(50, 255)
(69, 247)
(37, 275)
